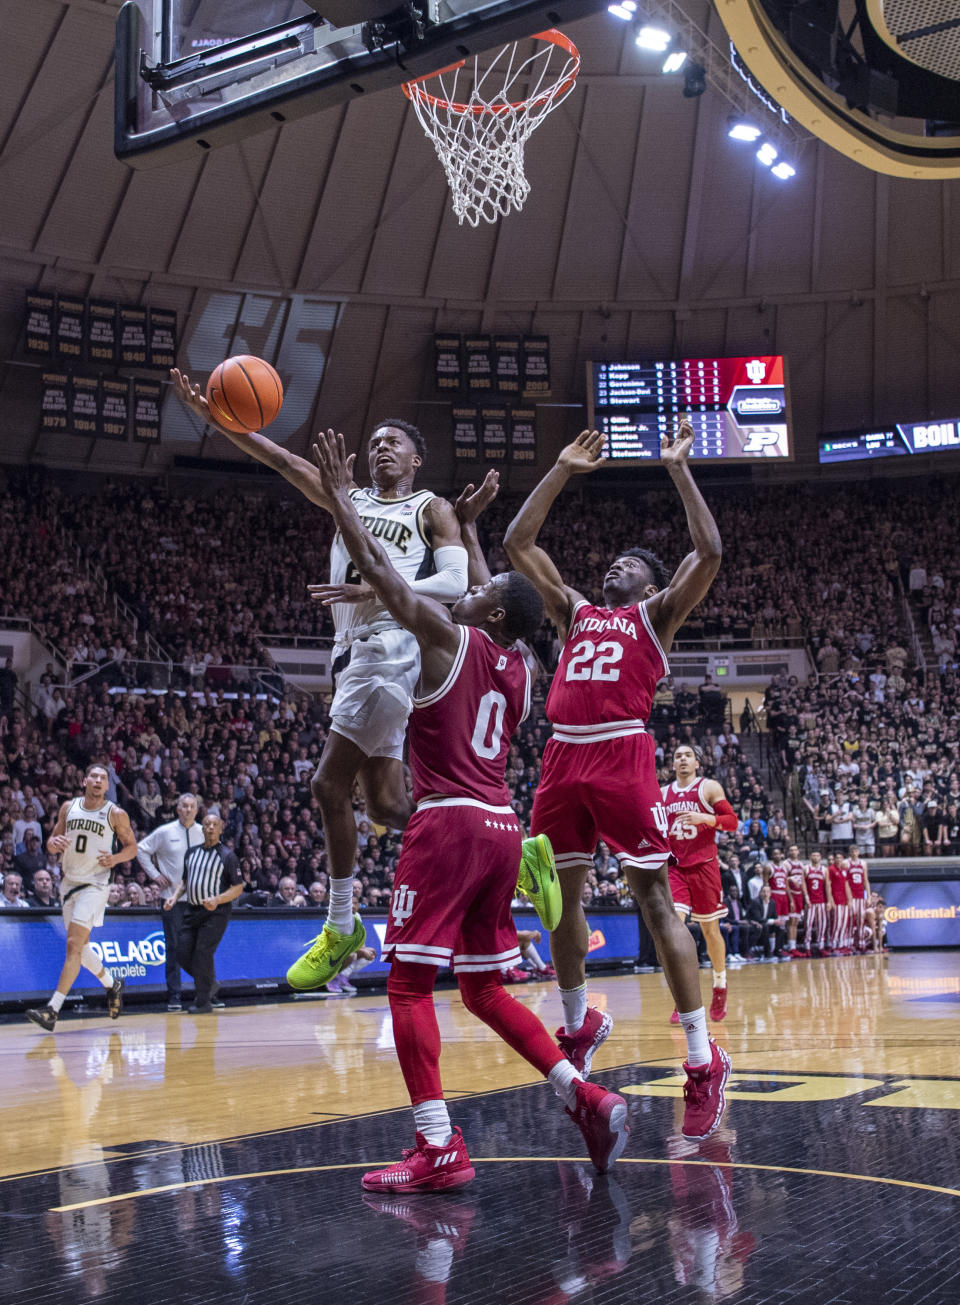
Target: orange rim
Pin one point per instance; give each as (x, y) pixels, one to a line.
(414, 90)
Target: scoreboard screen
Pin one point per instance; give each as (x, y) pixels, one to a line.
(739, 407)
(893, 442)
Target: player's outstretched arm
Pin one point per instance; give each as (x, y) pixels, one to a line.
(432, 624)
(468, 507)
(671, 606)
(301, 473)
(520, 541)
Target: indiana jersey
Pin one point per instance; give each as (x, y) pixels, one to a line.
(839, 878)
(90, 835)
(795, 876)
(459, 734)
(778, 878)
(816, 883)
(694, 844)
(398, 523)
(857, 874)
(609, 668)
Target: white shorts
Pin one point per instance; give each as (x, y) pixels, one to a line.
(374, 693)
(85, 906)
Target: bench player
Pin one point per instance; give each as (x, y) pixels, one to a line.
(375, 662)
(779, 871)
(839, 873)
(859, 897)
(696, 808)
(797, 894)
(599, 775)
(84, 835)
(456, 876)
(819, 905)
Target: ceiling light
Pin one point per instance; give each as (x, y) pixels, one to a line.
(741, 130)
(653, 38)
(625, 10)
(784, 171)
(674, 61)
(767, 153)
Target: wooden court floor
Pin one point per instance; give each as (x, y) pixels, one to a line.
(217, 1158)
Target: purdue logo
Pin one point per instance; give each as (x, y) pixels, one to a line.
(756, 370)
(401, 907)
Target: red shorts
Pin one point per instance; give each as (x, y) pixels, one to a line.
(782, 902)
(796, 905)
(606, 789)
(696, 891)
(453, 887)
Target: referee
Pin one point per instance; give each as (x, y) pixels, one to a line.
(161, 855)
(211, 882)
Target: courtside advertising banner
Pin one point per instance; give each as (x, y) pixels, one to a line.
(924, 914)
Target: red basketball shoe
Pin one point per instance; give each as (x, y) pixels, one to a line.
(718, 1007)
(425, 1168)
(601, 1117)
(703, 1094)
(582, 1046)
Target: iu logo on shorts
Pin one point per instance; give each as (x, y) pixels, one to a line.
(401, 907)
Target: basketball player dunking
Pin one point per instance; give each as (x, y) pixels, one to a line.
(84, 834)
(456, 875)
(599, 776)
(375, 662)
(696, 809)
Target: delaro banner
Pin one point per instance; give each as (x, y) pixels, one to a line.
(536, 365)
(922, 913)
(523, 436)
(493, 433)
(466, 433)
(479, 364)
(448, 363)
(506, 353)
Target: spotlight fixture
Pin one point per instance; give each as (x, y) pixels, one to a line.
(767, 153)
(694, 80)
(740, 129)
(784, 171)
(653, 38)
(625, 10)
(674, 61)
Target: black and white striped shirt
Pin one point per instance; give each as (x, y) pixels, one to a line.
(209, 871)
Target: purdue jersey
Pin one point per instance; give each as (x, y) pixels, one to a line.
(90, 834)
(398, 523)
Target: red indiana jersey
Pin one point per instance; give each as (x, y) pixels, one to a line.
(778, 878)
(817, 884)
(459, 735)
(694, 845)
(608, 672)
(857, 874)
(838, 878)
(795, 877)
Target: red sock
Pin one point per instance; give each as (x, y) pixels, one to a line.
(484, 996)
(415, 1029)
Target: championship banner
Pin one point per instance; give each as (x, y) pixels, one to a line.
(146, 411)
(40, 315)
(448, 362)
(466, 433)
(523, 436)
(102, 332)
(162, 339)
(133, 337)
(71, 334)
(506, 353)
(536, 365)
(493, 433)
(114, 408)
(85, 406)
(55, 401)
(479, 364)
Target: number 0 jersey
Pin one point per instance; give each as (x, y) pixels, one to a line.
(609, 668)
(398, 523)
(459, 734)
(90, 834)
(689, 845)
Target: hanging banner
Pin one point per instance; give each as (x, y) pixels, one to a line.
(536, 365)
(493, 433)
(55, 401)
(133, 337)
(162, 338)
(85, 406)
(40, 314)
(523, 436)
(102, 332)
(146, 411)
(479, 364)
(448, 362)
(506, 354)
(114, 408)
(466, 433)
(71, 336)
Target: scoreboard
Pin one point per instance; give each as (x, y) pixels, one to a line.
(738, 407)
(892, 442)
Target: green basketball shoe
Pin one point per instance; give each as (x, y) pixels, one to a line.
(538, 880)
(325, 957)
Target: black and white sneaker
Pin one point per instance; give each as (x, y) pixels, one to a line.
(115, 999)
(46, 1018)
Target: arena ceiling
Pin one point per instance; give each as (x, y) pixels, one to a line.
(328, 245)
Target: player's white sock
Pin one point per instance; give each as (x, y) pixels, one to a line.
(533, 956)
(563, 1078)
(698, 1044)
(433, 1121)
(92, 962)
(719, 978)
(574, 1008)
(56, 1001)
(340, 907)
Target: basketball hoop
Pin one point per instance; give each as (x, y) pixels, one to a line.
(480, 140)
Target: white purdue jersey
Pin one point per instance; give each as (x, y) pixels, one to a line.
(90, 835)
(398, 523)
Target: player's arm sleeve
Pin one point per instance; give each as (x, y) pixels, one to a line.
(450, 581)
(725, 814)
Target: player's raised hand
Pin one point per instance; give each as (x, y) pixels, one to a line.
(191, 395)
(474, 501)
(330, 455)
(675, 447)
(584, 454)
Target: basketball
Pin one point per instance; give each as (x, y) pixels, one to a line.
(245, 393)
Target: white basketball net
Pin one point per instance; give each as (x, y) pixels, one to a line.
(480, 138)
